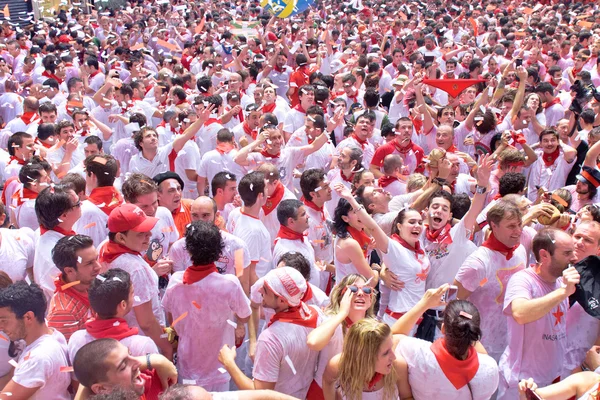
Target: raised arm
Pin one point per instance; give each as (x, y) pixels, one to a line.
(319, 337)
(180, 140)
(483, 180)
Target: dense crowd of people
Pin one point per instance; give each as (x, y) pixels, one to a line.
(366, 200)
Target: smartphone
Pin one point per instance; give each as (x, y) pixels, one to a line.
(450, 294)
(519, 62)
(531, 395)
(428, 59)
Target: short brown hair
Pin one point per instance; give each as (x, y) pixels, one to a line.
(503, 210)
(139, 135)
(104, 166)
(137, 185)
(510, 157)
(270, 170)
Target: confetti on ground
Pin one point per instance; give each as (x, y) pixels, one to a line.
(69, 285)
(182, 316)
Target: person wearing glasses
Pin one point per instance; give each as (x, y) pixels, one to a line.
(57, 209)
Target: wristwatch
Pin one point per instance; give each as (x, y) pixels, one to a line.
(440, 181)
(480, 189)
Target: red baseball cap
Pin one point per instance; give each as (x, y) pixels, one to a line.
(129, 217)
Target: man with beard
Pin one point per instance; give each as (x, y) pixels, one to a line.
(170, 195)
(585, 190)
(279, 72)
(37, 373)
(294, 120)
(483, 276)
(536, 302)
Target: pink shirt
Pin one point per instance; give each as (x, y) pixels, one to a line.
(535, 350)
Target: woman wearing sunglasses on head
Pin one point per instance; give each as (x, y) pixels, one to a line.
(351, 301)
(454, 367)
(367, 368)
(402, 254)
(352, 244)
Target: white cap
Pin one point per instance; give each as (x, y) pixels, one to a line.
(288, 283)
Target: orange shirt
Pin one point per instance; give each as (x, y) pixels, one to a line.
(183, 216)
(67, 314)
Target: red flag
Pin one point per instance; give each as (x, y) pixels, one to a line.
(474, 25)
(453, 87)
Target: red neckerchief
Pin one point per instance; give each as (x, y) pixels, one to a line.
(250, 132)
(195, 273)
(58, 229)
(268, 108)
(241, 116)
(452, 149)
(575, 71)
(112, 328)
(376, 378)
(441, 236)
(360, 141)
(494, 244)
(93, 74)
(81, 297)
(287, 233)
(301, 315)
(553, 82)
(29, 117)
(313, 206)
(106, 198)
(111, 250)
(458, 372)
(277, 69)
(274, 199)
(308, 294)
(386, 180)
(266, 154)
(417, 123)
(361, 237)
(212, 121)
(549, 158)
(446, 76)
(298, 107)
(18, 160)
(347, 178)
(417, 249)
(418, 152)
(224, 147)
(180, 102)
(24, 194)
(348, 322)
(551, 103)
(46, 145)
(52, 76)
(353, 98)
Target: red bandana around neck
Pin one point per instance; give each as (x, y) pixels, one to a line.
(417, 249)
(386, 180)
(287, 233)
(112, 328)
(52, 76)
(29, 117)
(362, 142)
(494, 244)
(195, 273)
(347, 178)
(248, 131)
(376, 378)
(452, 149)
(106, 198)
(458, 372)
(274, 199)
(550, 158)
(111, 250)
(441, 236)
(24, 194)
(313, 206)
(361, 237)
(299, 108)
(81, 297)
(551, 103)
(58, 229)
(268, 108)
(268, 155)
(224, 147)
(301, 315)
(18, 160)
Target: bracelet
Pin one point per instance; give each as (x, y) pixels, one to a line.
(148, 363)
(358, 209)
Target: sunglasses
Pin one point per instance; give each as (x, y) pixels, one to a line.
(365, 289)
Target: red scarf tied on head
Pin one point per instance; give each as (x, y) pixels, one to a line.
(550, 158)
(274, 199)
(458, 372)
(111, 250)
(112, 328)
(79, 296)
(494, 244)
(417, 249)
(364, 240)
(196, 273)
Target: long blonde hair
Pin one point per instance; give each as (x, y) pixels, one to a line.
(358, 359)
(338, 292)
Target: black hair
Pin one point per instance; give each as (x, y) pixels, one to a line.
(545, 239)
(104, 167)
(89, 364)
(511, 183)
(250, 186)
(288, 209)
(297, 261)
(203, 242)
(460, 330)
(444, 195)
(219, 181)
(51, 203)
(340, 227)
(108, 290)
(22, 298)
(16, 140)
(461, 202)
(93, 139)
(64, 252)
(310, 180)
(400, 219)
(46, 130)
(30, 172)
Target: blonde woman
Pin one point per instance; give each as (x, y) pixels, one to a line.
(367, 368)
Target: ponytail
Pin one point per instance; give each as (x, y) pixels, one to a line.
(461, 322)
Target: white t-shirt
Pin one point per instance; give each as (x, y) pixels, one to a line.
(16, 252)
(214, 162)
(485, 273)
(226, 264)
(427, 380)
(293, 120)
(93, 223)
(39, 366)
(552, 177)
(145, 286)
(289, 158)
(582, 332)
(204, 331)
(206, 138)
(44, 270)
(25, 215)
(159, 164)
(164, 234)
(188, 158)
(253, 232)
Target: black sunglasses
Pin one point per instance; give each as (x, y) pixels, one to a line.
(365, 289)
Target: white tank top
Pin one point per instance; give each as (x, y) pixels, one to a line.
(342, 270)
(588, 395)
(376, 395)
